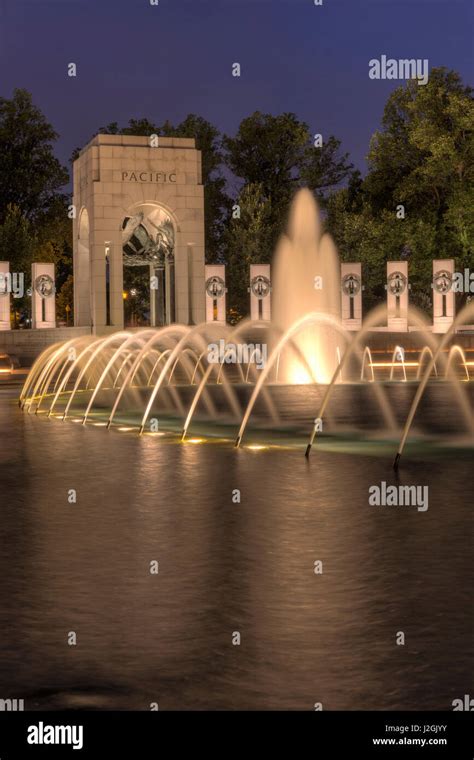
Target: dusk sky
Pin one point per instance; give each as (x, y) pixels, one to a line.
(136, 60)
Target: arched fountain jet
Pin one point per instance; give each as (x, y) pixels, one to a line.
(466, 313)
(187, 334)
(69, 373)
(367, 354)
(306, 321)
(169, 362)
(40, 370)
(187, 350)
(233, 335)
(376, 317)
(398, 353)
(134, 338)
(426, 351)
(453, 351)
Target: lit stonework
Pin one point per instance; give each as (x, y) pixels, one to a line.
(125, 190)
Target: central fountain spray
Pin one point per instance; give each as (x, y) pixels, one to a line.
(306, 279)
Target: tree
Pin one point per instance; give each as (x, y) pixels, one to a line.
(323, 169)
(18, 241)
(278, 152)
(421, 159)
(266, 151)
(45, 240)
(274, 156)
(374, 239)
(247, 240)
(30, 175)
(54, 239)
(18, 244)
(65, 302)
(425, 150)
(34, 224)
(216, 201)
(424, 158)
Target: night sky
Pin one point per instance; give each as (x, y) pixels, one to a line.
(136, 60)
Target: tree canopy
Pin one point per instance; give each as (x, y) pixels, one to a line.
(31, 177)
(278, 153)
(417, 198)
(247, 240)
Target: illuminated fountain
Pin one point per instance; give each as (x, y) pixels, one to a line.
(306, 280)
(130, 379)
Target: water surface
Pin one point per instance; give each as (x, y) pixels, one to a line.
(227, 567)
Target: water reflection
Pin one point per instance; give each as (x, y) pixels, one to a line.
(226, 566)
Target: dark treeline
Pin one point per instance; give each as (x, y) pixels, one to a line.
(416, 200)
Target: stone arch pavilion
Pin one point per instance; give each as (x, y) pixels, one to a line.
(138, 205)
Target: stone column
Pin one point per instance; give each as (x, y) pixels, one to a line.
(397, 296)
(181, 264)
(351, 295)
(154, 282)
(444, 301)
(98, 300)
(260, 289)
(107, 245)
(114, 242)
(43, 300)
(215, 293)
